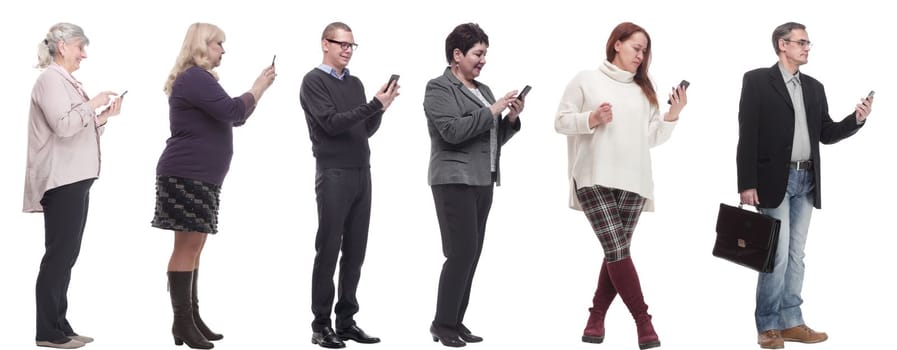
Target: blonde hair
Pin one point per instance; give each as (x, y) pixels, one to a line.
(195, 51)
(48, 48)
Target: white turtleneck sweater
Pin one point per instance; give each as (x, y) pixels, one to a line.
(614, 155)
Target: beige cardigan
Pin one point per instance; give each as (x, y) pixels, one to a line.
(63, 137)
(615, 155)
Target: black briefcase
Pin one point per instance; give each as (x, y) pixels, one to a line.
(746, 238)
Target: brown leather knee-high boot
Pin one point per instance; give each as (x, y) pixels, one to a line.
(183, 329)
(625, 279)
(604, 295)
(206, 332)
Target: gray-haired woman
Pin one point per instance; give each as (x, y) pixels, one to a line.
(63, 160)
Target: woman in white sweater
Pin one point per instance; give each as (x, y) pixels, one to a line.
(612, 118)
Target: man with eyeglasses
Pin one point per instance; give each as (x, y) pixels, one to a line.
(783, 116)
(340, 121)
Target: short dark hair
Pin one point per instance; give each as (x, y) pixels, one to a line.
(463, 38)
(332, 27)
(784, 32)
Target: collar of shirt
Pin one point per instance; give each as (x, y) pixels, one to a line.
(332, 71)
(68, 77)
(787, 76)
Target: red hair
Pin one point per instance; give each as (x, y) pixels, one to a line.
(622, 32)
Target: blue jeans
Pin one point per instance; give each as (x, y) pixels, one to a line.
(778, 292)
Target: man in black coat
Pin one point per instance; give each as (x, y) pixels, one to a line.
(783, 116)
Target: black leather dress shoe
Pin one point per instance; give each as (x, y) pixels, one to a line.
(327, 338)
(448, 337)
(356, 334)
(466, 336)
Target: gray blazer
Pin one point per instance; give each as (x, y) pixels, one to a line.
(459, 126)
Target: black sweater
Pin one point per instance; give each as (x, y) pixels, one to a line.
(340, 121)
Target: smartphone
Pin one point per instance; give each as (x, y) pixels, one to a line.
(871, 93)
(684, 84)
(272, 60)
(522, 95)
(123, 94)
(393, 78)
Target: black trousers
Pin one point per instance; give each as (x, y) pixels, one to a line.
(462, 211)
(65, 213)
(344, 213)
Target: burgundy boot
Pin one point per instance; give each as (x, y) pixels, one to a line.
(604, 295)
(626, 282)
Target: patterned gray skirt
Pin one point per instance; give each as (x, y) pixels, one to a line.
(186, 205)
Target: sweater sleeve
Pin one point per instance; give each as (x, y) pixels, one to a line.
(202, 90)
(570, 119)
(373, 123)
(659, 130)
(319, 105)
(64, 118)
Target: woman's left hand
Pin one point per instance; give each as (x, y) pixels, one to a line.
(678, 100)
(113, 110)
(516, 106)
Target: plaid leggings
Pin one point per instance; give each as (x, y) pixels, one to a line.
(613, 214)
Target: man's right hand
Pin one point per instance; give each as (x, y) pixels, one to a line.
(749, 197)
(386, 95)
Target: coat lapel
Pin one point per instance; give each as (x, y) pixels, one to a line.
(778, 84)
(466, 92)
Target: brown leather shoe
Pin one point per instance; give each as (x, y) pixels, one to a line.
(770, 339)
(803, 334)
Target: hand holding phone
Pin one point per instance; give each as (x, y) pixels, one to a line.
(684, 84)
(392, 79)
(522, 95)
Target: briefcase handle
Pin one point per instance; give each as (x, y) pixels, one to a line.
(756, 209)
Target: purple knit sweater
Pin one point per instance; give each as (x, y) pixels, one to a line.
(202, 116)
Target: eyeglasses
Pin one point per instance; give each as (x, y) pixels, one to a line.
(344, 45)
(803, 43)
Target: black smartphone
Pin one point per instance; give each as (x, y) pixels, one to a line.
(123, 94)
(871, 93)
(522, 95)
(393, 78)
(684, 84)
(273, 59)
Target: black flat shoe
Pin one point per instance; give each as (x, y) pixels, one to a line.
(327, 338)
(356, 334)
(466, 336)
(448, 337)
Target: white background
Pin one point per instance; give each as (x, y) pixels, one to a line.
(540, 261)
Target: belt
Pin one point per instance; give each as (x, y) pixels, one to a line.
(802, 165)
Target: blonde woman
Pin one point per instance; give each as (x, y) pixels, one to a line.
(63, 161)
(193, 165)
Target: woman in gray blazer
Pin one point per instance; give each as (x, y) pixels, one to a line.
(467, 131)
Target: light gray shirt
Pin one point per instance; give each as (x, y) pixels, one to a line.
(493, 134)
(800, 145)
